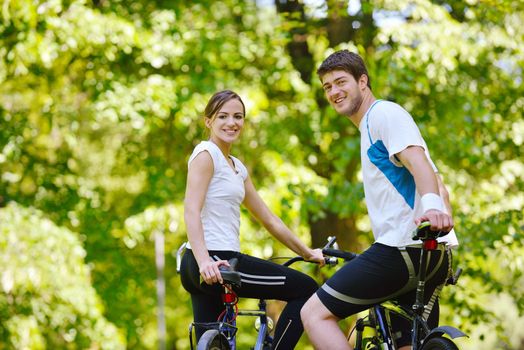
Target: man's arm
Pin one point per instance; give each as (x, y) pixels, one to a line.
(444, 194)
(427, 182)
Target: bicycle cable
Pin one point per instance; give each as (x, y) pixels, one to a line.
(234, 303)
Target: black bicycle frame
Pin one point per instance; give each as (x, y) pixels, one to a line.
(263, 331)
(379, 319)
(418, 308)
(379, 314)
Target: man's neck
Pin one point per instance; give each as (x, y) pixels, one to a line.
(367, 101)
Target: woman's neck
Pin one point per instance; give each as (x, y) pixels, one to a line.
(224, 147)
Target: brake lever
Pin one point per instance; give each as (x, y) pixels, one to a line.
(331, 261)
(332, 242)
(454, 279)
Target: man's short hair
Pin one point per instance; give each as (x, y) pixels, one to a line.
(347, 61)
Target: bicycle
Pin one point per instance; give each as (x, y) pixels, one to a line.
(221, 335)
(374, 331)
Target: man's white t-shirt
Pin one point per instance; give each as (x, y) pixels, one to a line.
(221, 212)
(391, 196)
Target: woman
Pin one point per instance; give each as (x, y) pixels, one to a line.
(217, 184)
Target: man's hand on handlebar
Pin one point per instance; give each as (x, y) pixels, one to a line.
(439, 220)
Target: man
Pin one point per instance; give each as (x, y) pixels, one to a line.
(402, 190)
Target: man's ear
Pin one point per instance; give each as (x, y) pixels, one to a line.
(363, 81)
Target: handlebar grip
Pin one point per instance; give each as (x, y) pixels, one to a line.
(293, 260)
(232, 265)
(424, 232)
(339, 254)
(229, 273)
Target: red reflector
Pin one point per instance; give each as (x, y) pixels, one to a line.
(228, 298)
(430, 244)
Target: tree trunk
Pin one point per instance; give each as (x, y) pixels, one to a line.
(339, 25)
(332, 225)
(298, 48)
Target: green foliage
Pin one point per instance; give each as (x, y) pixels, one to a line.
(47, 300)
(101, 104)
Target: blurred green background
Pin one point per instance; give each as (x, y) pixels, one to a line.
(101, 103)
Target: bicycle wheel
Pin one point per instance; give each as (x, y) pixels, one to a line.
(439, 343)
(212, 339)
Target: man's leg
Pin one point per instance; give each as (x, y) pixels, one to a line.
(322, 326)
(374, 276)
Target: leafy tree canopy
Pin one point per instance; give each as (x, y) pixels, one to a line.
(101, 104)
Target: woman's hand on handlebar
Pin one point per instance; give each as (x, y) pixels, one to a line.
(315, 255)
(209, 271)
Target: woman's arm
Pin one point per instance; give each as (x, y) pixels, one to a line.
(276, 226)
(198, 178)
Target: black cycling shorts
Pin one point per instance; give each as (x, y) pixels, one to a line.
(384, 273)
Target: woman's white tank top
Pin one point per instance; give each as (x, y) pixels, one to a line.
(221, 212)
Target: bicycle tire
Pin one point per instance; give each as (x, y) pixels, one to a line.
(439, 343)
(212, 339)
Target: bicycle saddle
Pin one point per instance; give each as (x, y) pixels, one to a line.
(229, 274)
(423, 232)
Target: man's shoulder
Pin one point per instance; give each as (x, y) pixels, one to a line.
(388, 118)
(390, 107)
(387, 112)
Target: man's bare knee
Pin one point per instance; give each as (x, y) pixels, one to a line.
(322, 326)
(314, 311)
(305, 311)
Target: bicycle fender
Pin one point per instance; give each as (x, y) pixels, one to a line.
(452, 332)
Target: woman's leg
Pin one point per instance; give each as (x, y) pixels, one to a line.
(205, 300)
(267, 280)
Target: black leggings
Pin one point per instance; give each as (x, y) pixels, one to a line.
(260, 279)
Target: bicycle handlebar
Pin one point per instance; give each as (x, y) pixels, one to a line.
(331, 251)
(423, 232)
(328, 261)
(347, 256)
(229, 273)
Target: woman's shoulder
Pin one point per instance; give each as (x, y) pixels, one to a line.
(204, 146)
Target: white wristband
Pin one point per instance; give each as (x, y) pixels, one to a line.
(431, 201)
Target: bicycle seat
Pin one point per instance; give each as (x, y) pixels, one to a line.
(229, 273)
(423, 232)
